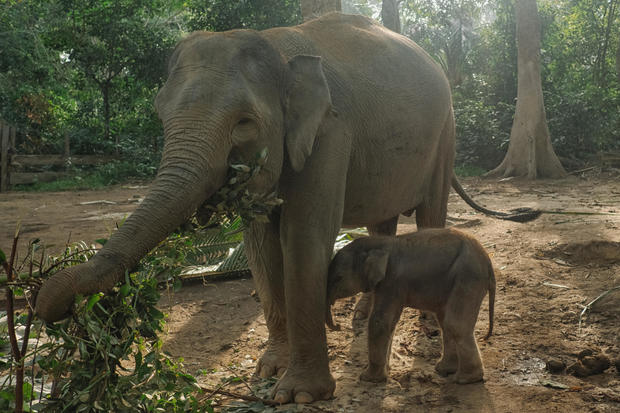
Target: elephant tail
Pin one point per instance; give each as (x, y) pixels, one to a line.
(491, 300)
(517, 215)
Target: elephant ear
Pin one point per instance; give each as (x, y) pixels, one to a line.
(308, 100)
(375, 267)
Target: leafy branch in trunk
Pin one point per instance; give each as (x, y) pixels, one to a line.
(235, 199)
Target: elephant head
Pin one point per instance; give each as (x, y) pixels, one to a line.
(354, 270)
(228, 96)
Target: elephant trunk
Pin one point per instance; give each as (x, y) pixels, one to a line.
(187, 177)
(330, 321)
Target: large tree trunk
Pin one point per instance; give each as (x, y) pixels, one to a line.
(389, 15)
(530, 152)
(311, 9)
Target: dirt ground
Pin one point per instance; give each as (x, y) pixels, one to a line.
(547, 271)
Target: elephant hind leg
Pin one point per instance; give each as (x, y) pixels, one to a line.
(461, 314)
(433, 210)
(262, 243)
(449, 362)
(362, 308)
(432, 213)
(387, 227)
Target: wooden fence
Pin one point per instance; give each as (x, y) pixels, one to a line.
(16, 169)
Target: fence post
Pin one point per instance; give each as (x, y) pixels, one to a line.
(4, 157)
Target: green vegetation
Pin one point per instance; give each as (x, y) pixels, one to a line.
(465, 170)
(111, 173)
(108, 356)
(90, 70)
(474, 41)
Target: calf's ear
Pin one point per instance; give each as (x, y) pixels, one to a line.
(375, 266)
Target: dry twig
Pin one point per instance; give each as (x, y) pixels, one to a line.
(240, 396)
(591, 303)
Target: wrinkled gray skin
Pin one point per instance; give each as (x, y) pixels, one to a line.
(438, 270)
(356, 136)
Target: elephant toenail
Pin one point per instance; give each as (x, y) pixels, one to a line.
(303, 397)
(281, 397)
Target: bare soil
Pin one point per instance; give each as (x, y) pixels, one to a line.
(547, 271)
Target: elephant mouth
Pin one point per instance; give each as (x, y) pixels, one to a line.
(237, 196)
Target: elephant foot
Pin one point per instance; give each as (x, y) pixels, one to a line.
(445, 367)
(466, 378)
(362, 308)
(304, 385)
(274, 360)
(374, 376)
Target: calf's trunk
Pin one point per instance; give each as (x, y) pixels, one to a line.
(329, 320)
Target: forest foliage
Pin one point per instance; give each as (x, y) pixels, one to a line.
(90, 69)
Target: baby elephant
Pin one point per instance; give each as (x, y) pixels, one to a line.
(439, 270)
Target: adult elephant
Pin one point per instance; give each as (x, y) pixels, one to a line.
(359, 128)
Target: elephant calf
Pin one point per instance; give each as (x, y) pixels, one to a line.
(439, 270)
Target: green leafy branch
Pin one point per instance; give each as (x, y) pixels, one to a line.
(235, 199)
(106, 357)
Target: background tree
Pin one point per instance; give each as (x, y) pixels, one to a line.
(446, 29)
(111, 41)
(311, 9)
(583, 116)
(369, 8)
(530, 152)
(605, 34)
(30, 72)
(618, 58)
(57, 56)
(220, 15)
(390, 16)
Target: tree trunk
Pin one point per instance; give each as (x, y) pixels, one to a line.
(600, 65)
(530, 153)
(618, 60)
(389, 15)
(105, 91)
(311, 9)
(454, 58)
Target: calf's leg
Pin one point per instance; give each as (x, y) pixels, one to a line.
(362, 308)
(383, 319)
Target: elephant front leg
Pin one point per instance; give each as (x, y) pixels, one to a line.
(264, 253)
(310, 219)
(307, 377)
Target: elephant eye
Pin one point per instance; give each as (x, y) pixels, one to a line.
(245, 130)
